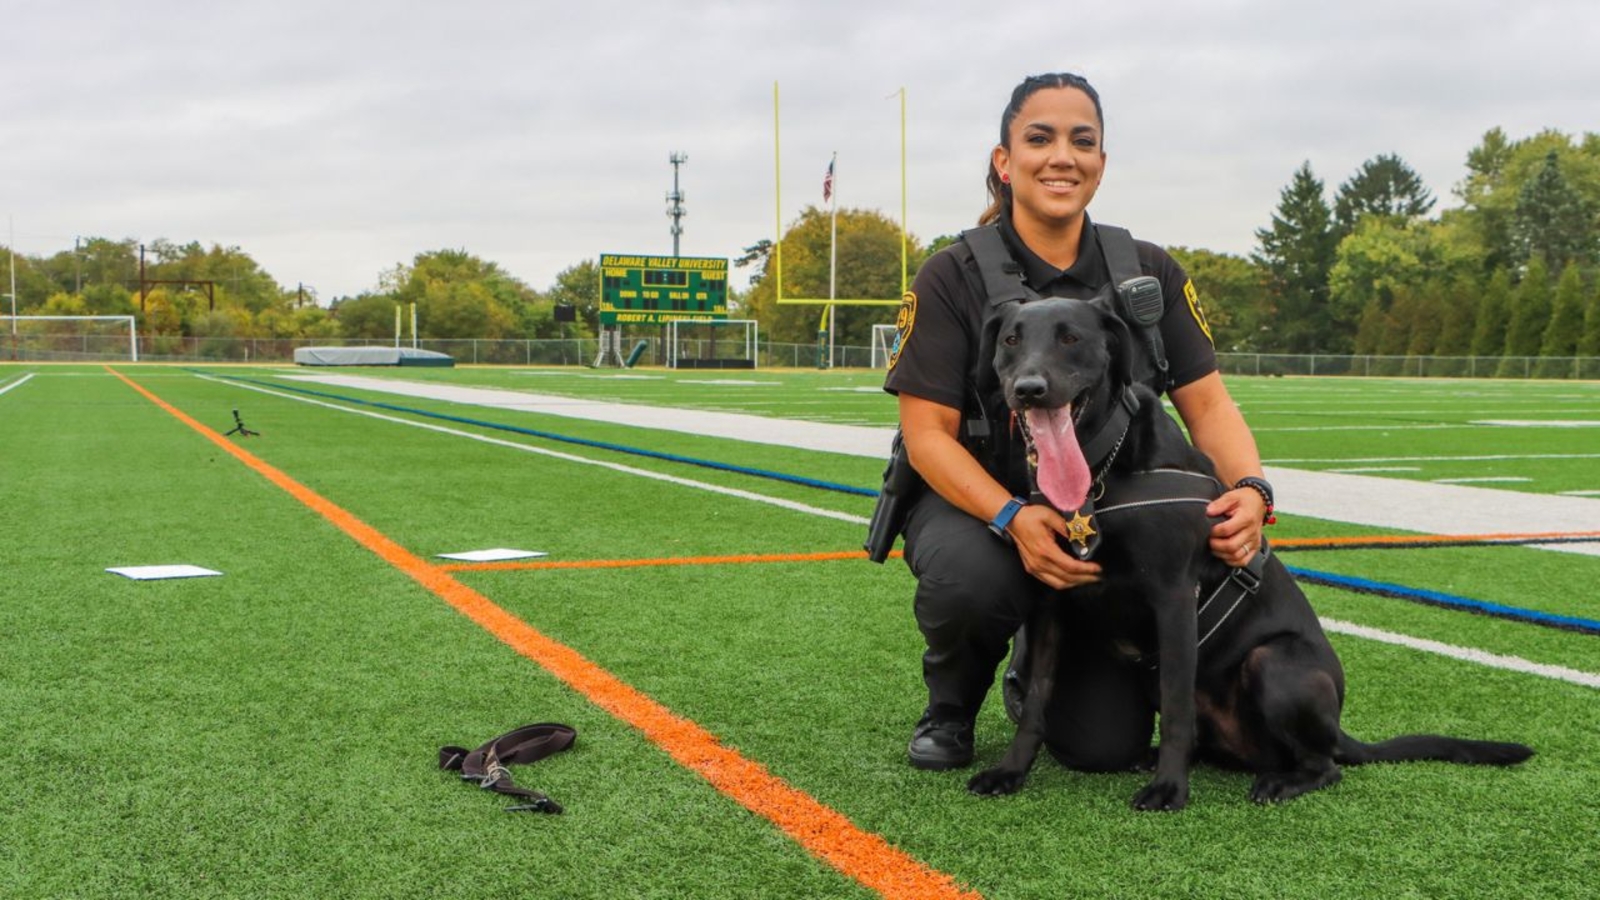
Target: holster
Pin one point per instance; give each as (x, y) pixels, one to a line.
(901, 487)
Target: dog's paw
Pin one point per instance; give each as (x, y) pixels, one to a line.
(1276, 787)
(996, 782)
(1162, 796)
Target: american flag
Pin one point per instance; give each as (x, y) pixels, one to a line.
(827, 183)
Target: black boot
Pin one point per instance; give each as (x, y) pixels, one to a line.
(939, 745)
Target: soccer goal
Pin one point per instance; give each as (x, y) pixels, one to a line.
(885, 343)
(69, 338)
(712, 344)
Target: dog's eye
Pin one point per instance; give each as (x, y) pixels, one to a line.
(1068, 337)
(1011, 340)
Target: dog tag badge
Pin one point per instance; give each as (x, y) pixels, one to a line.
(1082, 537)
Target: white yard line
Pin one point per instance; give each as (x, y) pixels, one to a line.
(1468, 654)
(18, 383)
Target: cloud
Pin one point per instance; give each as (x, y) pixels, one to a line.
(332, 141)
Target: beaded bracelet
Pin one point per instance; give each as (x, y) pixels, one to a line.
(1260, 486)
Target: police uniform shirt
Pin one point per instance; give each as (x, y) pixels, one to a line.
(941, 318)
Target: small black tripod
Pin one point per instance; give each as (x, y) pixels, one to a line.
(239, 429)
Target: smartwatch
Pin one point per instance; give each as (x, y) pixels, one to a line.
(1005, 515)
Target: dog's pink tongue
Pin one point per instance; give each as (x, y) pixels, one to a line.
(1063, 474)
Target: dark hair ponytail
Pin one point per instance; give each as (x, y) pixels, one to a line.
(999, 191)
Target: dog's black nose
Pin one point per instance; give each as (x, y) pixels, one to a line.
(1029, 387)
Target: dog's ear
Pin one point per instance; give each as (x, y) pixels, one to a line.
(990, 336)
(1120, 341)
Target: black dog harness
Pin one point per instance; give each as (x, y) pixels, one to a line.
(1159, 487)
(487, 764)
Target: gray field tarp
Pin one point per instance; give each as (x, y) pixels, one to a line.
(370, 356)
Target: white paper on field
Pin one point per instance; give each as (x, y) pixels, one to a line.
(498, 554)
(153, 573)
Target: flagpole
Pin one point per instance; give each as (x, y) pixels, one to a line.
(833, 249)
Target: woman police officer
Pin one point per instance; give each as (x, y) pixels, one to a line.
(974, 590)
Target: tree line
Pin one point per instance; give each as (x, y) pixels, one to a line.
(1512, 271)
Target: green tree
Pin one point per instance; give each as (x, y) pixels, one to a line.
(1494, 314)
(365, 316)
(1530, 313)
(1396, 336)
(1383, 186)
(577, 286)
(1297, 252)
(1565, 328)
(1374, 323)
(1458, 317)
(755, 257)
(1487, 164)
(459, 295)
(1427, 314)
(868, 268)
(1589, 341)
(1234, 293)
(1552, 220)
(1501, 170)
(1381, 256)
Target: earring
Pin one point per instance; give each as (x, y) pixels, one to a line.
(1005, 178)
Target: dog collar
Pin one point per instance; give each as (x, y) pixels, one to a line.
(1102, 448)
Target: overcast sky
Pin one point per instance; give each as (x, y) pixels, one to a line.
(332, 140)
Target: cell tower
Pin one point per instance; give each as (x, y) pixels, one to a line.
(675, 210)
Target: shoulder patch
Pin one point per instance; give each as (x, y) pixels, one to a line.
(1199, 314)
(903, 323)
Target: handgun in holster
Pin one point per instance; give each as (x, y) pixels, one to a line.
(901, 485)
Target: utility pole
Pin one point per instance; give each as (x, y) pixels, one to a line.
(675, 210)
(77, 268)
(12, 225)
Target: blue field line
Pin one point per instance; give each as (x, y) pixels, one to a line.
(1447, 601)
(551, 436)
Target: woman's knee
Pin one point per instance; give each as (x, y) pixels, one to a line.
(973, 586)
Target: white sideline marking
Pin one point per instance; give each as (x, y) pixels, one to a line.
(734, 381)
(18, 383)
(556, 454)
(1485, 479)
(1395, 427)
(1363, 469)
(1540, 423)
(1579, 493)
(1467, 654)
(1497, 457)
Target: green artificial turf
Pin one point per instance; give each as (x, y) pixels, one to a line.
(273, 732)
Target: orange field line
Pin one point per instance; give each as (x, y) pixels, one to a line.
(829, 556)
(1432, 538)
(861, 855)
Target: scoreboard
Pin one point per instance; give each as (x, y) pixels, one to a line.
(653, 290)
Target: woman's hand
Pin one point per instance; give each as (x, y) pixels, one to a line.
(1237, 538)
(1037, 530)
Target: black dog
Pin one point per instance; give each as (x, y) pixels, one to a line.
(1250, 683)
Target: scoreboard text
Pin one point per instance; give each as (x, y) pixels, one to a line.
(650, 290)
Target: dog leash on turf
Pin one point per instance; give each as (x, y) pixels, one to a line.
(487, 765)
